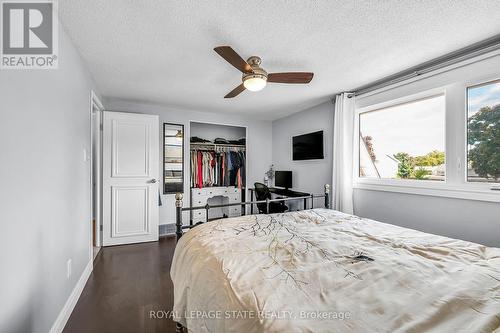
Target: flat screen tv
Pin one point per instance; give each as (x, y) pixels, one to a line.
(308, 146)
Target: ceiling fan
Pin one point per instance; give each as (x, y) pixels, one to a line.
(255, 77)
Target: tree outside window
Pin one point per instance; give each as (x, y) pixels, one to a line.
(483, 133)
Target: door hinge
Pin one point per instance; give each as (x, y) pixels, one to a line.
(101, 127)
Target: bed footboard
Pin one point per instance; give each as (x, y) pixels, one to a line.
(179, 207)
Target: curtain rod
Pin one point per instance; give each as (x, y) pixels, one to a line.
(465, 53)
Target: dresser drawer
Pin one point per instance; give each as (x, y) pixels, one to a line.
(234, 211)
(199, 200)
(200, 197)
(199, 215)
(198, 193)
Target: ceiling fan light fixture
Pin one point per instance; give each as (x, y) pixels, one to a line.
(254, 77)
(254, 82)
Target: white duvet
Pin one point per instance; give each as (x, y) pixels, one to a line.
(324, 271)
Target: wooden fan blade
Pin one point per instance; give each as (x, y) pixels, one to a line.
(292, 77)
(236, 91)
(233, 58)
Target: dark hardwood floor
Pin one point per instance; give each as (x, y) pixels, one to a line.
(127, 283)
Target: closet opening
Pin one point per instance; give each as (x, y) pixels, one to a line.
(218, 169)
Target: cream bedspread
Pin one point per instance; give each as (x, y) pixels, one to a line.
(324, 271)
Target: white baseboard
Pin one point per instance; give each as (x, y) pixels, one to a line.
(63, 316)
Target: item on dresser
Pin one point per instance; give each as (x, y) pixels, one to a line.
(217, 166)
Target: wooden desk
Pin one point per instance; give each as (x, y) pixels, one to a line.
(281, 192)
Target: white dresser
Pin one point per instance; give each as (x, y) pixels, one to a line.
(214, 196)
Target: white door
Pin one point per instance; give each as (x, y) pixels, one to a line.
(130, 178)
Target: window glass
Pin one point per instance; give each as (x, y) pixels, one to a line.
(483, 133)
(405, 141)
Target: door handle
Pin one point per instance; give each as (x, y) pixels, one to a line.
(152, 181)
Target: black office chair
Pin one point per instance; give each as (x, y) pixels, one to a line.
(262, 193)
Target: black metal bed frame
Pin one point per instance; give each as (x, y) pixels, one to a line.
(179, 207)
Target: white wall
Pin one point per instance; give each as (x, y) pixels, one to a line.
(44, 192)
(259, 141)
(308, 176)
(476, 221)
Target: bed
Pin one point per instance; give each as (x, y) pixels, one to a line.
(321, 270)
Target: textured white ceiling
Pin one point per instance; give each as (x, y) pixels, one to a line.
(160, 51)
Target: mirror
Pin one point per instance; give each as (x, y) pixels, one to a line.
(173, 161)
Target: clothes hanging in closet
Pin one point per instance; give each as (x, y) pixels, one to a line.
(217, 168)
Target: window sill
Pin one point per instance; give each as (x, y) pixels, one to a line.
(436, 190)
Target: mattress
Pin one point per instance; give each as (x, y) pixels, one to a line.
(324, 271)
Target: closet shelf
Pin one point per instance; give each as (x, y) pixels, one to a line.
(232, 186)
(215, 145)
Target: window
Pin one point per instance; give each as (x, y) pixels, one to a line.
(405, 141)
(483, 133)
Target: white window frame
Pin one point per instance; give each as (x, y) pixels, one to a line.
(482, 185)
(455, 184)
